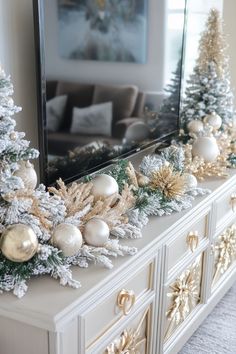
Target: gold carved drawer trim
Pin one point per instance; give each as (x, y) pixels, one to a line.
(224, 251)
(185, 295)
(131, 339)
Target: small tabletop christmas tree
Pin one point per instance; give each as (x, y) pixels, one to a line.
(208, 91)
(13, 148)
(26, 214)
(170, 105)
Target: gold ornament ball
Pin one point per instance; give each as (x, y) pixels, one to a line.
(104, 186)
(96, 232)
(195, 126)
(143, 180)
(214, 120)
(27, 173)
(67, 238)
(19, 243)
(206, 148)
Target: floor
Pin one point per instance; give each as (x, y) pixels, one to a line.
(217, 334)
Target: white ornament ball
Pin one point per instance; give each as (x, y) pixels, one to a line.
(190, 181)
(96, 232)
(104, 186)
(19, 243)
(206, 148)
(27, 173)
(214, 120)
(137, 131)
(195, 126)
(68, 239)
(13, 136)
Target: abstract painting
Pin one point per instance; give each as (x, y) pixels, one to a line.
(103, 30)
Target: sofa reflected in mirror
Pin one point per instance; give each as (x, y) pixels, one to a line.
(86, 113)
(91, 121)
(87, 125)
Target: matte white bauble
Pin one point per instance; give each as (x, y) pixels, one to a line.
(207, 148)
(96, 232)
(104, 186)
(68, 239)
(27, 173)
(214, 120)
(190, 181)
(137, 131)
(195, 126)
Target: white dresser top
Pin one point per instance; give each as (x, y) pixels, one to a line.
(47, 304)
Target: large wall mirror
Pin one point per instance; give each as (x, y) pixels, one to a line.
(109, 80)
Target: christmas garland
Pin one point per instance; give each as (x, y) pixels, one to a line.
(47, 231)
(84, 159)
(55, 218)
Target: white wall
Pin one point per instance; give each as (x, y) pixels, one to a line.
(17, 59)
(230, 29)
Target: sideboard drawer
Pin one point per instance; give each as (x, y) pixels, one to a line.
(182, 296)
(134, 338)
(117, 304)
(187, 242)
(226, 205)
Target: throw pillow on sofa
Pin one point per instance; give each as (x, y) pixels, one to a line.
(122, 97)
(93, 120)
(55, 109)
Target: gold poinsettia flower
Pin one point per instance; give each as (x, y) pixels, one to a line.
(184, 295)
(226, 251)
(170, 183)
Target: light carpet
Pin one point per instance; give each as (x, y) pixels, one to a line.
(217, 334)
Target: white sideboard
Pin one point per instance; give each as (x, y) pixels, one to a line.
(190, 254)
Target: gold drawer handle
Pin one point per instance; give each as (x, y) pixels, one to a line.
(233, 201)
(192, 240)
(126, 300)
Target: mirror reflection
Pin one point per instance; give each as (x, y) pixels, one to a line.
(113, 79)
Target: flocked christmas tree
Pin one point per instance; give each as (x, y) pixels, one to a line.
(208, 89)
(166, 119)
(26, 214)
(170, 105)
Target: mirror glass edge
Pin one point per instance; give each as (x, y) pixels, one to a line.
(38, 9)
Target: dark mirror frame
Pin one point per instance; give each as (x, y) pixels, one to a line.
(39, 35)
